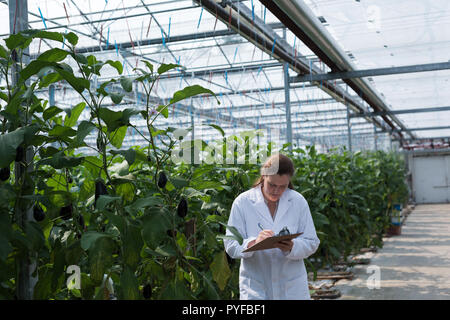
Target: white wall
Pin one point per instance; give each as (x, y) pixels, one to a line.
(430, 176)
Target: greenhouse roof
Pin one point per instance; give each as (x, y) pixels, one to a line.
(219, 52)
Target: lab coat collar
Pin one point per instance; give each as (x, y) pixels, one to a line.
(257, 198)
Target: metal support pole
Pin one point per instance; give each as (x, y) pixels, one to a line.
(349, 127)
(51, 102)
(192, 122)
(26, 263)
(192, 134)
(287, 98)
(51, 95)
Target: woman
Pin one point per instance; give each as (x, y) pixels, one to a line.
(271, 205)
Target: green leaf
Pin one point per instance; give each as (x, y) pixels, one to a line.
(218, 128)
(48, 79)
(93, 165)
(17, 41)
(100, 258)
(117, 220)
(234, 231)
(3, 52)
(89, 238)
(34, 67)
(30, 133)
(223, 237)
(3, 96)
(143, 203)
(72, 38)
(116, 97)
(42, 290)
(132, 245)
(104, 200)
(110, 117)
(155, 225)
(92, 60)
(179, 182)
(56, 36)
(53, 55)
(130, 154)
(128, 113)
(84, 129)
(62, 131)
(8, 145)
(129, 285)
(35, 235)
(127, 84)
(166, 67)
(59, 260)
(5, 247)
(59, 160)
(75, 113)
(167, 250)
(13, 105)
(87, 190)
(79, 84)
(81, 58)
(51, 112)
(189, 92)
(116, 138)
(64, 70)
(164, 111)
(335, 252)
(127, 191)
(115, 64)
(116, 119)
(176, 290)
(220, 270)
(148, 64)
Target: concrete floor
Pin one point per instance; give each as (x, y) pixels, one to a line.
(414, 265)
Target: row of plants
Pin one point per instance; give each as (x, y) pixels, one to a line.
(351, 196)
(150, 224)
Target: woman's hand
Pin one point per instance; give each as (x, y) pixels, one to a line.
(285, 246)
(261, 236)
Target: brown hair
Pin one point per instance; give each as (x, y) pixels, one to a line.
(285, 166)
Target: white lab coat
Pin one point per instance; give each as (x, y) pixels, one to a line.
(272, 274)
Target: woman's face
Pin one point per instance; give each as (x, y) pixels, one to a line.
(274, 186)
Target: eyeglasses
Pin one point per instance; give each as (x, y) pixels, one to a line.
(275, 187)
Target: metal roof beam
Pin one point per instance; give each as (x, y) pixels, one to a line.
(372, 72)
(429, 138)
(159, 41)
(421, 129)
(265, 106)
(300, 19)
(417, 110)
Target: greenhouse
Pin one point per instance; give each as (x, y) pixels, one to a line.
(133, 131)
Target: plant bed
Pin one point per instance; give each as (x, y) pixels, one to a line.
(360, 261)
(353, 261)
(365, 250)
(326, 294)
(394, 230)
(341, 267)
(335, 275)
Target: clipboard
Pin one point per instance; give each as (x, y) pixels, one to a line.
(269, 243)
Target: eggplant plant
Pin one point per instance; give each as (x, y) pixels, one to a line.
(133, 217)
(111, 218)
